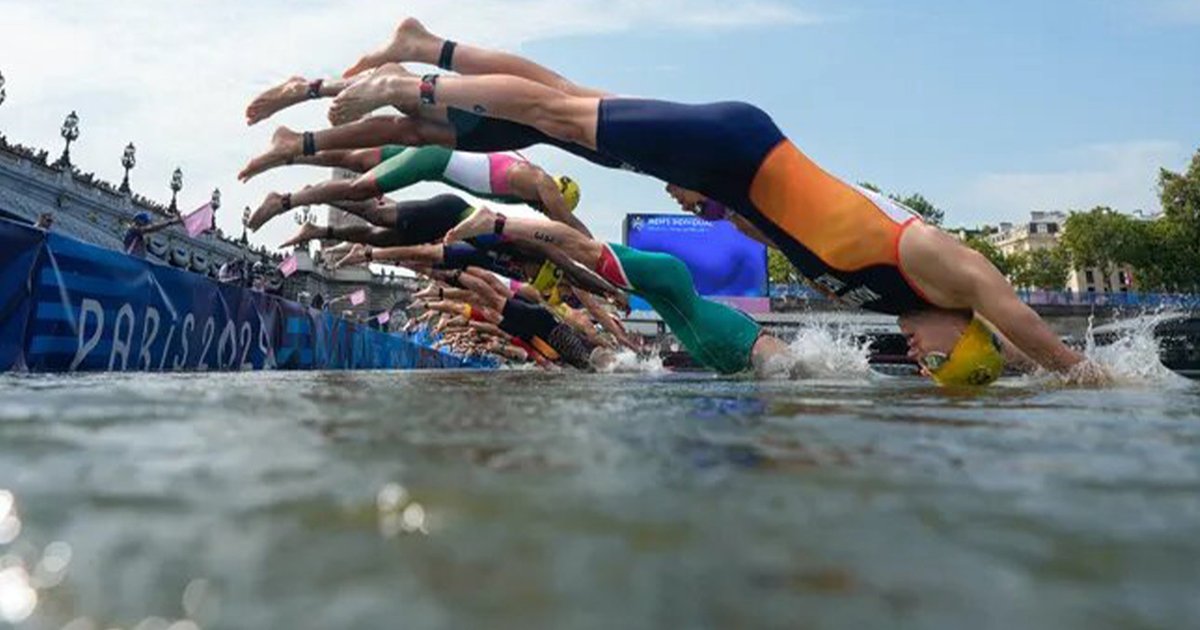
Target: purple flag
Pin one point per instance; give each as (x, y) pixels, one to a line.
(289, 266)
(358, 297)
(385, 317)
(199, 221)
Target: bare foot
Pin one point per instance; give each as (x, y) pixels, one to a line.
(307, 232)
(428, 292)
(389, 85)
(357, 256)
(271, 207)
(410, 42)
(285, 145)
(337, 251)
(282, 96)
(482, 221)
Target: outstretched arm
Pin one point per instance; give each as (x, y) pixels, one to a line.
(579, 275)
(158, 227)
(958, 277)
(555, 207)
(606, 320)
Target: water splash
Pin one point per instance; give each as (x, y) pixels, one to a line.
(1132, 358)
(629, 362)
(823, 350)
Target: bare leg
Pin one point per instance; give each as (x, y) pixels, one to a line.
(418, 255)
(291, 92)
(413, 42)
(490, 295)
(379, 212)
(380, 130)
(334, 190)
(367, 234)
(553, 112)
(535, 233)
(287, 147)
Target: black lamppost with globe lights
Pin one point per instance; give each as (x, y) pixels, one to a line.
(176, 186)
(3, 95)
(70, 133)
(128, 161)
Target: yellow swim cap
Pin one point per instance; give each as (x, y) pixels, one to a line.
(547, 279)
(975, 361)
(569, 189)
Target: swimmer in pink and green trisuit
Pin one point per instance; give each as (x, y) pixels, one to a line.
(493, 176)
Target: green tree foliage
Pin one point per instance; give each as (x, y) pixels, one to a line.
(916, 202)
(922, 206)
(871, 187)
(1165, 253)
(1102, 238)
(1042, 269)
(779, 269)
(989, 251)
(1050, 268)
(1180, 196)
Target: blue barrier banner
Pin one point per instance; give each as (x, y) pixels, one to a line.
(67, 306)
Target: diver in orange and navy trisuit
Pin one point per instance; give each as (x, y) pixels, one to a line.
(860, 247)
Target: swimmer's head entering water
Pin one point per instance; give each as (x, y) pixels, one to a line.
(570, 191)
(953, 348)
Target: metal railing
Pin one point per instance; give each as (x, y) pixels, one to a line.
(1130, 299)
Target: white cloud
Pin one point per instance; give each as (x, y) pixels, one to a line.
(174, 77)
(1120, 175)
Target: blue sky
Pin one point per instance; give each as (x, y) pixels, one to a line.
(989, 109)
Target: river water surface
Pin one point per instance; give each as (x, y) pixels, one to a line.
(523, 499)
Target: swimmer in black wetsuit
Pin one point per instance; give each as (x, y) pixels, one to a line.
(534, 324)
(393, 223)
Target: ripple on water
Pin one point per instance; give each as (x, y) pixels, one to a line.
(526, 499)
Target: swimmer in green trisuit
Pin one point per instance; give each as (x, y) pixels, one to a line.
(719, 337)
(494, 176)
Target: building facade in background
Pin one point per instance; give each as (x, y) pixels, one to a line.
(1044, 231)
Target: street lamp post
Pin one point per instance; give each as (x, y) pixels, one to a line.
(216, 200)
(176, 186)
(245, 223)
(70, 133)
(129, 160)
(2, 94)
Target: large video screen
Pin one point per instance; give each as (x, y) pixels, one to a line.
(725, 263)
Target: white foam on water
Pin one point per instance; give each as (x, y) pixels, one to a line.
(1132, 359)
(823, 351)
(629, 362)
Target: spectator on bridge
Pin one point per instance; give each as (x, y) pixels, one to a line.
(45, 221)
(233, 272)
(135, 236)
(258, 274)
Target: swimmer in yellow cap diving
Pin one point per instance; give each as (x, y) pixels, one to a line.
(863, 249)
